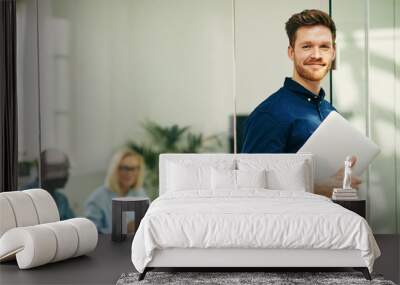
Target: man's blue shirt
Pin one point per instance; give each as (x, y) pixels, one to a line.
(285, 120)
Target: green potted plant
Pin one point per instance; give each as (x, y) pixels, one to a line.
(169, 139)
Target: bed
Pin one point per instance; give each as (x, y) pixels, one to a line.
(247, 210)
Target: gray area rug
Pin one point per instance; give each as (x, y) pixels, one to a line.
(226, 278)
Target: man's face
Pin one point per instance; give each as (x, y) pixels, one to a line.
(313, 52)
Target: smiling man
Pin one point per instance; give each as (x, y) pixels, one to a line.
(285, 120)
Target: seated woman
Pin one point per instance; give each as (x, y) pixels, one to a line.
(124, 178)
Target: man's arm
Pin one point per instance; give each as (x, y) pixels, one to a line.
(264, 134)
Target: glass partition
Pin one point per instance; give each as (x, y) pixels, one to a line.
(27, 95)
(350, 81)
(366, 91)
(397, 105)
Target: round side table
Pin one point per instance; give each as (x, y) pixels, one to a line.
(120, 207)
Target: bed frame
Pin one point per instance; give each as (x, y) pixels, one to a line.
(245, 259)
(242, 259)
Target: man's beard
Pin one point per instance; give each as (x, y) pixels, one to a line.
(310, 75)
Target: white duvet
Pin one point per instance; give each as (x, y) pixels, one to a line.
(250, 219)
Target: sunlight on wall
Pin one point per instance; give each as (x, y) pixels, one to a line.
(352, 92)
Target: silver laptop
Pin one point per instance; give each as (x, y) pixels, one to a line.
(333, 140)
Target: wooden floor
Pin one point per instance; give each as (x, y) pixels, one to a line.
(110, 260)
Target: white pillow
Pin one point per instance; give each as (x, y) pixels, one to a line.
(187, 174)
(281, 174)
(251, 178)
(182, 177)
(293, 179)
(223, 179)
(236, 179)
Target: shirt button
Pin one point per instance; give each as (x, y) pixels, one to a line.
(309, 99)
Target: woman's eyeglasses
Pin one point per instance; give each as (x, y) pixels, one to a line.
(127, 168)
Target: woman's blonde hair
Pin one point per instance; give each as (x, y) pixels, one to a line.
(112, 175)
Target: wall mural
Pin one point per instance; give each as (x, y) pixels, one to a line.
(120, 84)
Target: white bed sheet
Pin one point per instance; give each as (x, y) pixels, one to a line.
(251, 218)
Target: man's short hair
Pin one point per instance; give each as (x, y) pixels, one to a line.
(309, 18)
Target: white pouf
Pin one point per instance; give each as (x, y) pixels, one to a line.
(87, 234)
(40, 244)
(23, 208)
(67, 240)
(33, 246)
(7, 218)
(46, 207)
(31, 232)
